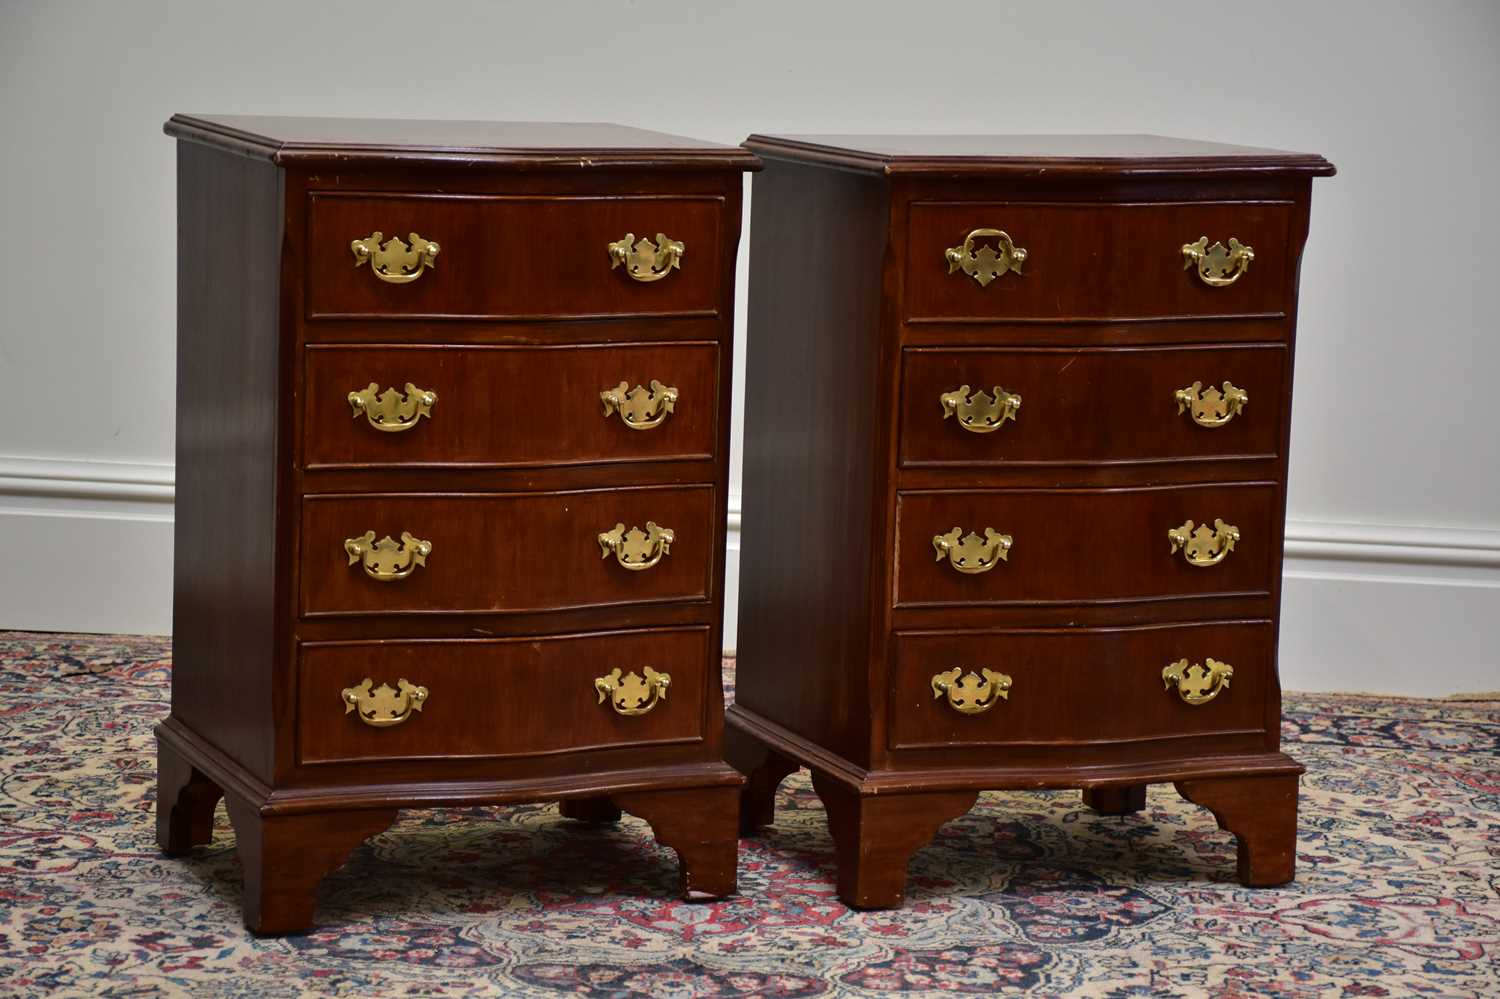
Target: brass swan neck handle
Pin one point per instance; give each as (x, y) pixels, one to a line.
(392, 411)
(1201, 546)
(394, 261)
(636, 549)
(1197, 684)
(1211, 407)
(633, 694)
(387, 560)
(384, 707)
(983, 412)
(988, 262)
(644, 260)
(640, 408)
(1218, 266)
(971, 693)
(972, 554)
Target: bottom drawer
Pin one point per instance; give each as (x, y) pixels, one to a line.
(500, 697)
(1076, 687)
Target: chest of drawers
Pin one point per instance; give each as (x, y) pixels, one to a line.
(1015, 478)
(453, 410)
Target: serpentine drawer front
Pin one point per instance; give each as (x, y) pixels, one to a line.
(504, 552)
(514, 256)
(511, 405)
(453, 453)
(1085, 545)
(1014, 480)
(1080, 686)
(1093, 261)
(1076, 406)
(500, 697)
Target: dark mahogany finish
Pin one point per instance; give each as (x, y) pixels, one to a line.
(1084, 546)
(508, 257)
(1088, 406)
(857, 328)
(1109, 680)
(481, 714)
(1093, 261)
(508, 552)
(517, 328)
(510, 407)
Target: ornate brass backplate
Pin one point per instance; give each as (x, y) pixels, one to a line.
(1197, 684)
(395, 261)
(972, 554)
(636, 549)
(1203, 546)
(986, 263)
(390, 410)
(384, 707)
(1217, 265)
(386, 560)
(639, 408)
(645, 260)
(1211, 407)
(971, 693)
(981, 413)
(633, 694)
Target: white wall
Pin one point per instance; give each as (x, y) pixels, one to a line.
(1395, 551)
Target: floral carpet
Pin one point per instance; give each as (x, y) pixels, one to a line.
(1396, 895)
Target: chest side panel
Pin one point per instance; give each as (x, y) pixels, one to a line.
(229, 385)
(812, 417)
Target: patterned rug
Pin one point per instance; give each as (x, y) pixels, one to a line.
(1398, 871)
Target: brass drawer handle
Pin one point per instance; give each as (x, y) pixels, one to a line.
(639, 408)
(385, 560)
(395, 261)
(981, 413)
(390, 410)
(645, 260)
(1218, 265)
(384, 707)
(636, 549)
(633, 694)
(1211, 407)
(988, 263)
(971, 693)
(1196, 684)
(972, 554)
(1204, 547)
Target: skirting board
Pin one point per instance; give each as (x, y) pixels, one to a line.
(93, 540)
(1383, 609)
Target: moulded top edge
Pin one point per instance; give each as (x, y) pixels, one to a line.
(517, 145)
(1037, 155)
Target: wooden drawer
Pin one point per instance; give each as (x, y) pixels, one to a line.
(510, 405)
(1106, 406)
(1097, 261)
(1074, 687)
(498, 697)
(511, 257)
(499, 552)
(1082, 546)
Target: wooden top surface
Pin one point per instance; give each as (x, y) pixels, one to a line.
(517, 143)
(1035, 155)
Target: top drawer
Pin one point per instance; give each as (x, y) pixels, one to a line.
(512, 257)
(1097, 261)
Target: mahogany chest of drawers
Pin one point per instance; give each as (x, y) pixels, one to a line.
(1015, 475)
(453, 410)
